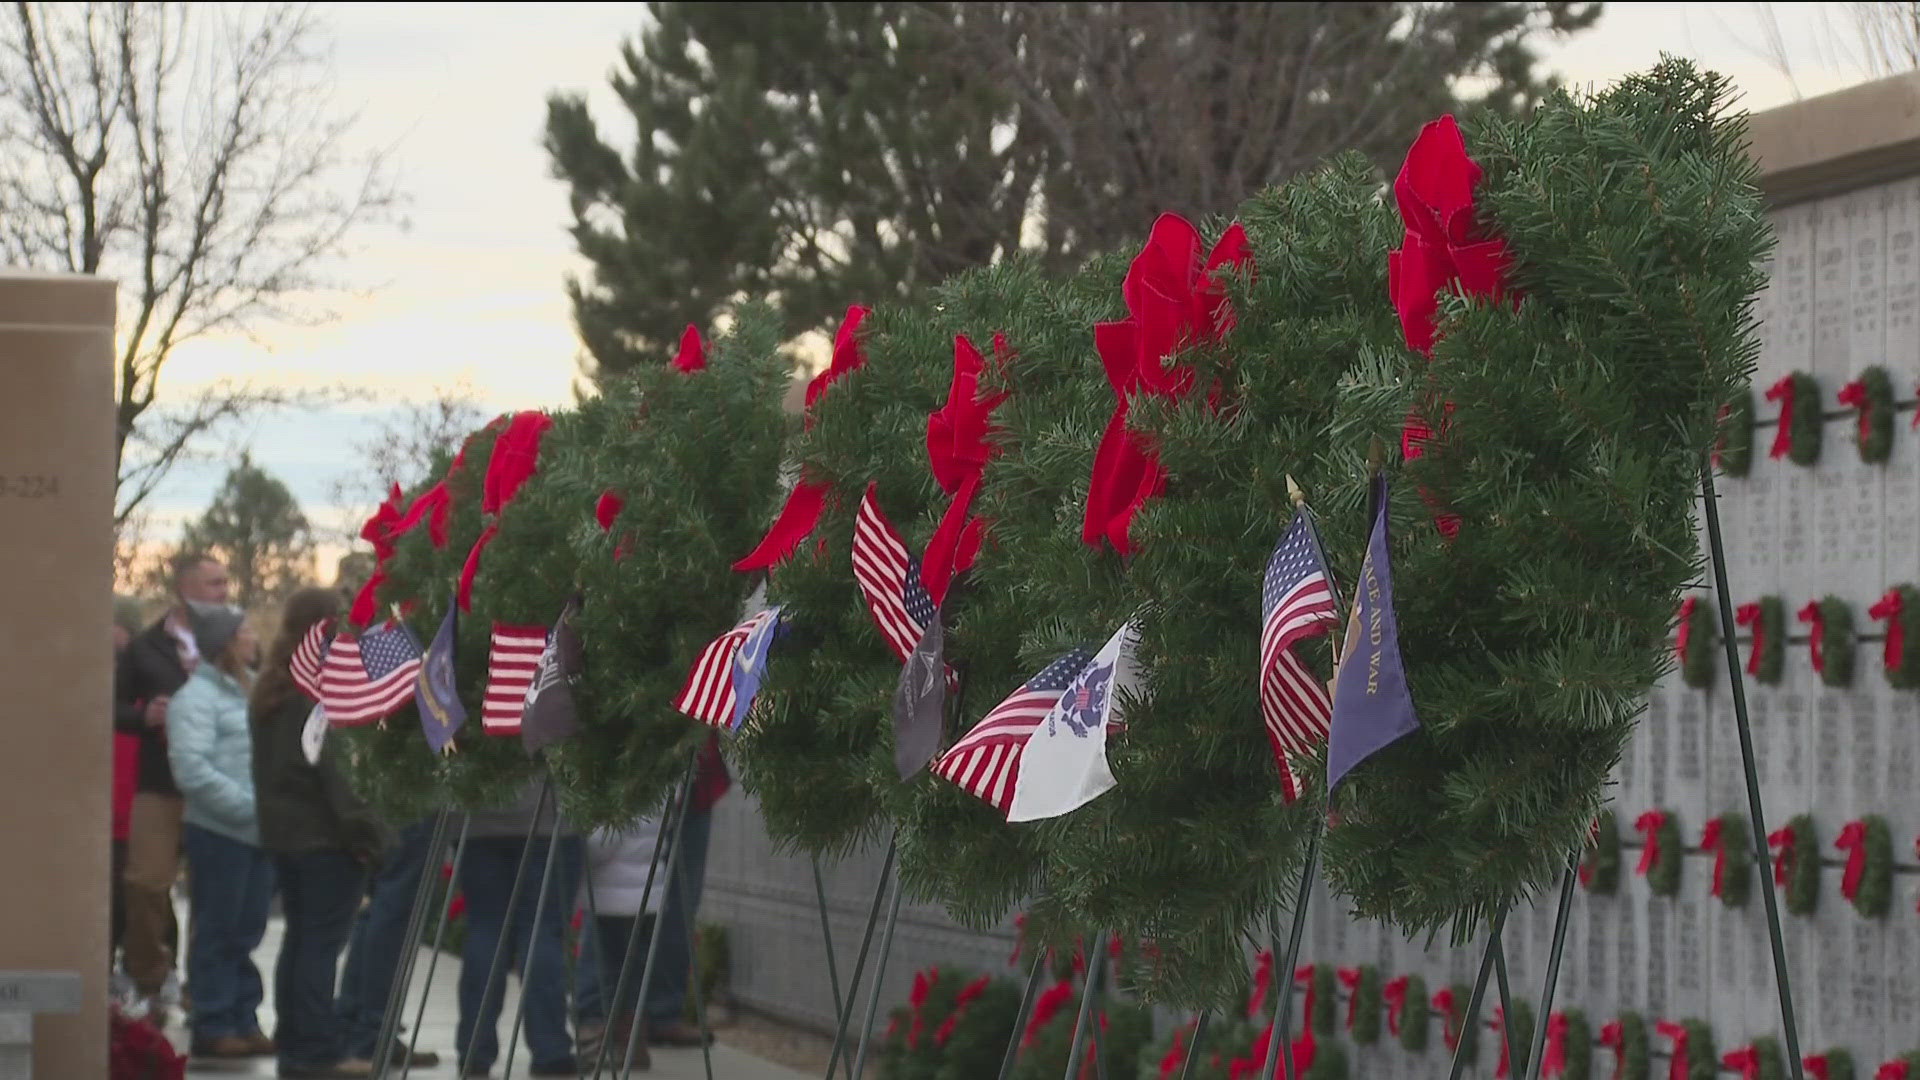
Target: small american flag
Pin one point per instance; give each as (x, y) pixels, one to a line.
(708, 695)
(889, 579)
(309, 657)
(985, 762)
(512, 659)
(367, 679)
(1297, 603)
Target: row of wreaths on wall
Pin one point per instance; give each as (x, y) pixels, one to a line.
(1866, 877)
(1796, 433)
(1400, 1008)
(1830, 638)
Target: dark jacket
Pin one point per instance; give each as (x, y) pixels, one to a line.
(149, 668)
(304, 807)
(517, 817)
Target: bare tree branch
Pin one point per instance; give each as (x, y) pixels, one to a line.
(191, 153)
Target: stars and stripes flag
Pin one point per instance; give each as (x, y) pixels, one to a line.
(889, 578)
(723, 681)
(513, 656)
(985, 762)
(363, 680)
(1297, 603)
(309, 657)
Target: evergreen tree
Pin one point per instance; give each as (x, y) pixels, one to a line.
(255, 526)
(826, 153)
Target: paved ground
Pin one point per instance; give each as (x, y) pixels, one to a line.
(437, 1033)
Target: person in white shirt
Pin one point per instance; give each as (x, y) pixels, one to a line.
(616, 892)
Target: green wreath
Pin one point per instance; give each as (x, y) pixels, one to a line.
(1626, 1036)
(1562, 564)
(1831, 639)
(1900, 656)
(1871, 396)
(1414, 1014)
(1600, 869)
(1767, 1060)
(673, 476)
(1703, 1063)
(1873, 891)
(1767, 652)
(1697, 640)
(1732, 843)
(1324, 1017)
(1461, 1038)
(1517, 1032)
(1796, 435)
(1797, 865)
(1661, 851)
(1365, 1006)
(1576, 1041)
(1835, 1064)
(1733, 449)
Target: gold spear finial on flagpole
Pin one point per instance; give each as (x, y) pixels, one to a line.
(1294, 492)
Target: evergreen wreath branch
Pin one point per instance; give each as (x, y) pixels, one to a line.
(1871, 396)
(1600, 870)
(1733, 448)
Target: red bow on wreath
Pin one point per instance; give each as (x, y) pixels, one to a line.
(516, 454)
(1434, 191)
(1684, 634)
(1854, 396)
(1853, 841)
(1504, 1067)
(1395, 995)
(1783, 838)
(1449, 1024)
(808, 499)
(1613, 1036)
(1710, 840)
(1818, 1067)
(1745, 1061)
(1350, 979)
(693, 352)
(1782, 392)
(958, 448)
(1889, 609)
(1173, 299)
(1648, 825)
(1553, 1061)
(1748, 614)
(382, 530)
(1681, 1062)
(1896, 1069)
(1817, 636)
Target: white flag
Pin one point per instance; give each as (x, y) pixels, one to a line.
(1064, 763)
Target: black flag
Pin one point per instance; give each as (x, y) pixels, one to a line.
(920, 701)
(550, 713)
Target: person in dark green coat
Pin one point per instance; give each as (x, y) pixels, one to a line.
(323, 840)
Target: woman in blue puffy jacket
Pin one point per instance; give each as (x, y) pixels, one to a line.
(230, 876)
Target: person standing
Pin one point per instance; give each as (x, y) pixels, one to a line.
(229, 877)
(322, 839)
(378, 942)
(126, 775)
(667, 998)
(155, 664)
(496, 841)
(618, 866)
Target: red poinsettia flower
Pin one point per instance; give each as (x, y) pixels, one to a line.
(1441, 249)
(1173, 299)
(693, 352)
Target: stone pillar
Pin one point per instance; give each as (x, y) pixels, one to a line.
(56, 655)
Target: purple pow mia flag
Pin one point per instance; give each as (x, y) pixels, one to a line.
(1372, 706)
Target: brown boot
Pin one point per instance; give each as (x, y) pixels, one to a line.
(261, 1044)
(619, 1034)
(223, 1046)
(678, 1033)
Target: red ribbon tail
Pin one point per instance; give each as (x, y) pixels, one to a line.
(464, 594)
(797, 519)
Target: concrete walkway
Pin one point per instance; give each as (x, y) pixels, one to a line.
(437, 1033)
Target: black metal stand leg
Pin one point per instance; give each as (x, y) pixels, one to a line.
(433, 959)
(1545, 1018)
(503, 949)
(1020, 1018)
(1280, 1046)
(533, 942)
(403, 975)
(1472, 1015)
(860, 960)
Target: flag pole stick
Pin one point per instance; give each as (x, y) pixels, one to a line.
(826, 933)
(695, 990)
(654, 936)
(1542, 1021)
(1722, 593)
(433, 958)
(1506, 1000)
(668, 818)
(1193, 1047)
(1280, 1045)
(1020, 1017)
(500, 950)
(1088, 991)
(416, 919)
(879, 977)
(533, 937)
(582, 955)
(1469, 1018)
(860, 960)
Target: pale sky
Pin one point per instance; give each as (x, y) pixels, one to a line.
(464, 287)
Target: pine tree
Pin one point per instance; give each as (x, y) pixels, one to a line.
(256, 527)
(827, 153)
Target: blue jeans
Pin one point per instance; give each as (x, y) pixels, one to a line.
(319, 890)
(486, 879)
(231, 885)
(673, 969)
(379, 940)
(613, 933)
